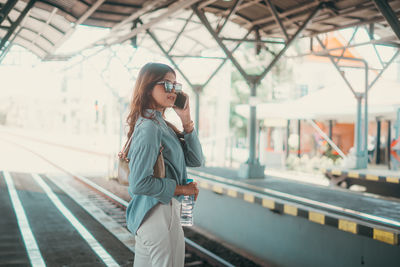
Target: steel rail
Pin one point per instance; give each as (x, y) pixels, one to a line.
(204, 253)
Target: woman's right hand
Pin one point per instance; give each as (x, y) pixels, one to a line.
(187, 190)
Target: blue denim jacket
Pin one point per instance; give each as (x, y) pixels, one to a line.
(146, 191)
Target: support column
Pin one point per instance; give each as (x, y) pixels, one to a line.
(330, 129)
(389, 141)
(299, 137)
(366, 122)
(378, 141)
(197, 90)
(396, 163)
(287, 138)
(361, 137)
(361, 159)
(252, 125)
(252, 168)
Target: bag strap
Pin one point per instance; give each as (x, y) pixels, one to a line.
(124, 152)
(127, 145)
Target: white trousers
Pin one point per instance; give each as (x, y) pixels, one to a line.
(159, 239)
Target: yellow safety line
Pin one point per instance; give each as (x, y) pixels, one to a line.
(387, 237)
(268, 203)
(353, 175)
(217, 189)
(316, 217)
(348, 226)
(372, 177)
(249, 198)
(392, 180)
(289, 209)
(232, 193)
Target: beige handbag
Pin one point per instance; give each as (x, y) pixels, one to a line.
(123, 165)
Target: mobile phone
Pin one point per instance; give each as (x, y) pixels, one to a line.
(180, 100)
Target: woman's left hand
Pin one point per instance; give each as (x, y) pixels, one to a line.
(184, 114)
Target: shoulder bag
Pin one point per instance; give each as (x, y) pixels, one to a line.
(123, 164)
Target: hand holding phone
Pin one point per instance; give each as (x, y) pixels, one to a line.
(180, 100)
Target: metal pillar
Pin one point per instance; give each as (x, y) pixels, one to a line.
(330, 129)
(361, 161)
(396, 163)
(252, 168)
(299, 137)
(364, 163)
(397, 125)
(389, 141)
(361, 137)
(287, 138)
(197, 89)
(252, 127)
(378, 141)
(361, 142)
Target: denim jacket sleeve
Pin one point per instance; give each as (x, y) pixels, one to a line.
(143, 154)
(192, 150)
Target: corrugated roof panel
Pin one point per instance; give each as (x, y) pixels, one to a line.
(28, 45)
(336, 14)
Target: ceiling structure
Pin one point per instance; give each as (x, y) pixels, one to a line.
(42, 26)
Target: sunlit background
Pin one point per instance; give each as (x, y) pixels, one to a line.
(82, 101)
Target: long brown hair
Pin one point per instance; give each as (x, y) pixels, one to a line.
(149, 75)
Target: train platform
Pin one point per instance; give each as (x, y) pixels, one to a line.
(364, 214)
(41, 225)
(317, 225)
(378, 181)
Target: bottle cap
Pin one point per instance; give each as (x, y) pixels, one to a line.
(188, 181)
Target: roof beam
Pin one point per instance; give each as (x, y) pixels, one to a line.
(276, 17)
(44, 26)
(150, 5)
(306, 22)
(252, 40)
(231, 13)
(206, 3)
(16, 23)
(206, 23)
(7, 9)
(287, 13)
(180, 33)
(87, 14)
(331, 58)
(171, 10)
(390, 16)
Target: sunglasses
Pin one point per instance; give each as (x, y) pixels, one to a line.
(170, 85)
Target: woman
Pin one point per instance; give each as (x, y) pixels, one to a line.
(153, 214)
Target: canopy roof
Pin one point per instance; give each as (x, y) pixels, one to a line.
(335, 102)
(49, 23)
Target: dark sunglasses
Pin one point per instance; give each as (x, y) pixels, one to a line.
(170, 85)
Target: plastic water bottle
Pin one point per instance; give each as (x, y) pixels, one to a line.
(187, 209)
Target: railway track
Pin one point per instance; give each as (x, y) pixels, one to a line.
(114, 206)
